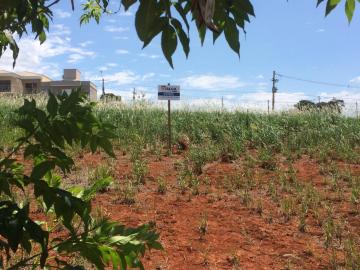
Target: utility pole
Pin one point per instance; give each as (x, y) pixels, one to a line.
(268, 102)
(357, 110)
(103, 83)
(319, 99)
(169, 125)
(274, 89)
(222, 103)
(134, 94)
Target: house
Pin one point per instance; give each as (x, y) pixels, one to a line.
(31, 83)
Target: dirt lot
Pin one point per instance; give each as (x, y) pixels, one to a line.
(220, 227)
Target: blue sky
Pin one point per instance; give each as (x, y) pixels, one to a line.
(293, 38)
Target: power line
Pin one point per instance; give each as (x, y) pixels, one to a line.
(317, 82)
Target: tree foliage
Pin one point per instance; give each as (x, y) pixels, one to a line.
(67, 120)
(334, 105)
(169, 19)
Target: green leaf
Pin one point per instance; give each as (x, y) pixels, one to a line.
(128, 3)
(145, 16)
(13, 45)
(182, 13)
(157, 26)
(184, 39)
(331, 4)
(52, 105)
(319, 2)
(246, 6)
(202, 33)
(349, 9)
(41, 169)
(232, 35)
(169, 43)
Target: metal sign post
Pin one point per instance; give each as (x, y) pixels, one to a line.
(169, 92)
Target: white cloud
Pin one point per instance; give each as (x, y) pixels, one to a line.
(37, 58)
(107, 66)
(151, 56)
(212, 82)
(148, 76)
(123, 77)
(121, 51)
(355, 81)
(114, 29)
(120, 38)
(61, 14)
(86, 43)
(262, 86)
(320, 30)
(75, 57)
(260, 77)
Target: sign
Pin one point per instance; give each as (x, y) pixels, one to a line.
(169, 92)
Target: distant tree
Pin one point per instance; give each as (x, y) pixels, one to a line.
(153, 17)
(305, 105)
(334, 105)
(110, 97)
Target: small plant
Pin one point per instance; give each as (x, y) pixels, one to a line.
(259, 206)
(136, 147)
(181, 181)
(140, 170)
(287, 206)
(267, 159)
(234, 261)
(272, 191)
(102, 173)
(128, 192)
(194, 185)
(355, 193)
(203, 226)
(331, 229)
(161, 185)
(198, 156)
(245, 196)
(352, 254)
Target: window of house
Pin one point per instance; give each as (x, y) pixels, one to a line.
(30, 87)
(5, 86)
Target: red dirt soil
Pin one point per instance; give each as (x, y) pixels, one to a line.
(237, 236)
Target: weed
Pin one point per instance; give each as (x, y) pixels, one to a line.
(101, 172)
(161, 185)
(355, 193)
(287, 206)
(267, 159)
(259, 206)
(140, 170)
(245, 196)
(352, 254)
(272, 191)
(128, 192)
(203, 226)
(181, 181)
(194, 185)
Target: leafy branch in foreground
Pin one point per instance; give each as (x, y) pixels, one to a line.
(153, 17)
(67, 120)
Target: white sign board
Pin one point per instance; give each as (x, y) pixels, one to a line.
(169, 92)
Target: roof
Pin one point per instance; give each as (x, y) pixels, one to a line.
(33, 75)
(8, 73)
(25, 75)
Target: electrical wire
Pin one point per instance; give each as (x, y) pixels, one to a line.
(317, 82)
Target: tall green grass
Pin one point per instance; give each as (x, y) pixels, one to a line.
(323, 135)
